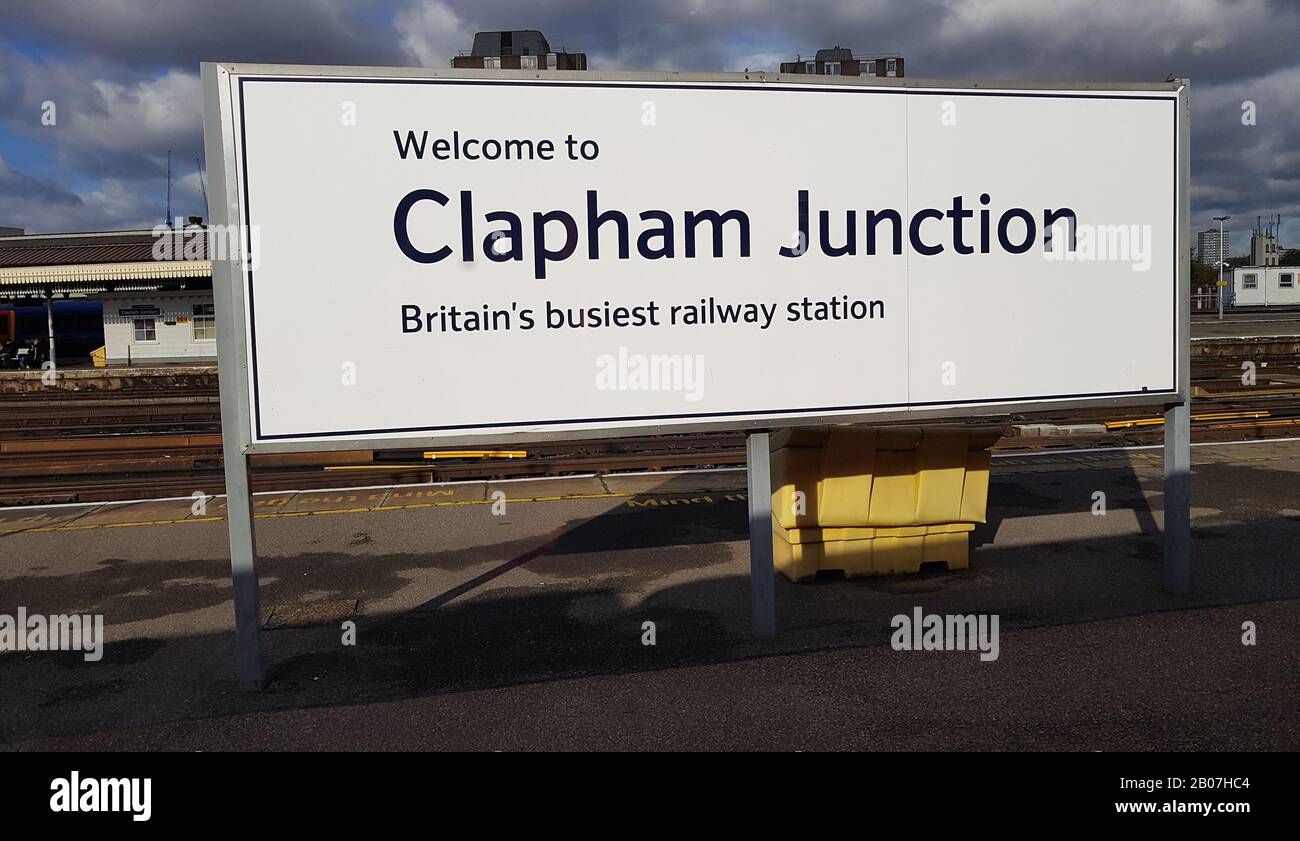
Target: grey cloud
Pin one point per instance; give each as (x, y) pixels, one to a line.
(40, 204)
(180, 34)
(18, 187)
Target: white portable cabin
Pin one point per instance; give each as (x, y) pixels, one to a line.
(1262, 286)
(147, 327)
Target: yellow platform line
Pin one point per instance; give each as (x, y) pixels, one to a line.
(435, 454)
(1271, 422)
(280, 515)
(1205, 416)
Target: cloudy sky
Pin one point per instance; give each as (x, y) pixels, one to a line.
(123, 74)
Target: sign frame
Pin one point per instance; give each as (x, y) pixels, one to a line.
(221, 101)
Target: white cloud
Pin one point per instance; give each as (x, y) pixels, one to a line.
(142, 114)
(431, 32)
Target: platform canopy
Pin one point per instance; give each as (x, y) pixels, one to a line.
(41, 265)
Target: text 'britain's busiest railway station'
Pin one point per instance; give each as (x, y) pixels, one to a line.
(537, 402)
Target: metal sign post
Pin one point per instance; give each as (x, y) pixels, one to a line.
(232, 368)
(243, 571)
(762, 575)
(1176, 570)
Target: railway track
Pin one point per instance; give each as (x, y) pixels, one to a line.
(100, 414)
(158, 443)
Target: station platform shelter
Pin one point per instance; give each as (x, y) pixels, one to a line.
(115, 295)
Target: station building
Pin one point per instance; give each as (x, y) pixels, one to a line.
(1265, 283)
(1265, 286)
(841, 61)
(110, 290)
(519, 49)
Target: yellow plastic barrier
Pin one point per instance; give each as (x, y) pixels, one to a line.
(877, 501)
(99, 357)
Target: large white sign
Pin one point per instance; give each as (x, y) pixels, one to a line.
(446, 257)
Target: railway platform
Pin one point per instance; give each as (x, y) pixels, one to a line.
(1252, 322)
(1249, 334)
(513, 614)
